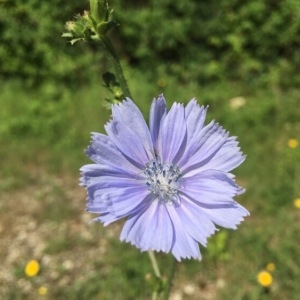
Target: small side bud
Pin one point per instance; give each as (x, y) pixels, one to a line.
(111, 83)
(91, 25)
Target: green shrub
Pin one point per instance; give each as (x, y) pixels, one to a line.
(254, 41)
(214, 39)
(31, 45)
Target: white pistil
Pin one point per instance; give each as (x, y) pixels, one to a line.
(162, 180)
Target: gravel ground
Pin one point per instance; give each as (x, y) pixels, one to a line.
(46, 221)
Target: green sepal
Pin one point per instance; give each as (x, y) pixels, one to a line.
(67, 35)
(104, 27)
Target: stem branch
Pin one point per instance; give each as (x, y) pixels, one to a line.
(119, 70)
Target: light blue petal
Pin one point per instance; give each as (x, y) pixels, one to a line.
(211, 139)
(184, 245)
(196, 143)
(228, 217)
(158, 112)
(227, 158)
(195, 221)
(92, 173)
(210, 187)
(172, 136)
(129, 115)
(118, 201)
(128, 142)
(195, 117)
(104, 152)
(114, 182)
(107, 218)
(150, 230)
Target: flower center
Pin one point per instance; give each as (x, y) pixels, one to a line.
(162, 180)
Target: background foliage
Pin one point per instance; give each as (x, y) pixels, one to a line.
(239, 57)
(31, 45)
(254, 40)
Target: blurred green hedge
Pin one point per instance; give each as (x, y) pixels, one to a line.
(31, 45)
(255, 40)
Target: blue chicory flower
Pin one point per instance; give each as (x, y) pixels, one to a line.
(170, 181)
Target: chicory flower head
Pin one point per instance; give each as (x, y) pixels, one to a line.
(170, 180)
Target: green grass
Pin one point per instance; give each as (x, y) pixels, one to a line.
(43, 135)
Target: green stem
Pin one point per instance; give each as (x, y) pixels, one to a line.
(168, 285)
(94, 9)
(154, 264)
(154, 295)
(157, 273)
(169, 282)
(119, 70)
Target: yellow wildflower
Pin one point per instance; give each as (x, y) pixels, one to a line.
(32, 268)
(293, 143)
(42, 291)
(297, 203)
(264, 278)
(161, 82)
(237, 102)
(270, 267)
